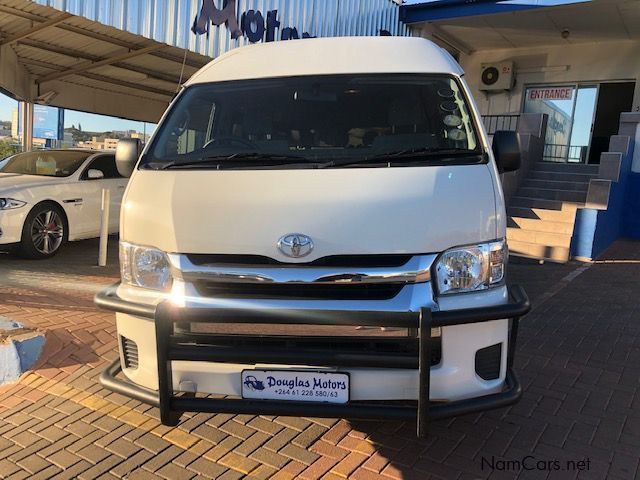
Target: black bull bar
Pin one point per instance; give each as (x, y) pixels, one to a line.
(179, 344)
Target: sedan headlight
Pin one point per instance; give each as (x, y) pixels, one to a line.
(9, 203)
(144, 267)
(471, 268)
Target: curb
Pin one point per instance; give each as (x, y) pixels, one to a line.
(20, 349)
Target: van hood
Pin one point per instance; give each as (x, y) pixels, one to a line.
(345, 211)
(17, 181)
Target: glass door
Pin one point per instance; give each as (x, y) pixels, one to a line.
(570, 110)
(583, 115)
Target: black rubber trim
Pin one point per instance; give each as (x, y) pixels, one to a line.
(356, 410)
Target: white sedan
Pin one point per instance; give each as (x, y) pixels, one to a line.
(48, 197)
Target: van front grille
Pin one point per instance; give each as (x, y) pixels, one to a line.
(307, 291)
(346, 261)
(129, 352)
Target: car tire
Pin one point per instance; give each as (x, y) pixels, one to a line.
(44, 231)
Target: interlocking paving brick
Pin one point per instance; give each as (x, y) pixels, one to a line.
(220, 450)
(131, 463)
(209, 433)
(73, 471)
(205, 467)
(181, 439)
(349, 463)
(272, 459)
(152, 443)
(290, 470)
(238, 462)
(265, 426)
(33, 463)
(160, 460)
(309, 435)
(171, 471)
(263, 472)
(231, 475)
(46, 474)
(300, 454)
(101, 467)
(252, 443)
(318, 468)
(63, 459)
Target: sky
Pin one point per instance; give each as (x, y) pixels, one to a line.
(90, 122)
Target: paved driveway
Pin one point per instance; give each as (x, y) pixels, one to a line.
(579, 361)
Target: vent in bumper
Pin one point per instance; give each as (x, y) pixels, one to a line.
(310, 291)
(129, 352)
(488, 362)
(385, 347)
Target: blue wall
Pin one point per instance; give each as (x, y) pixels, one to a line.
(632, 210)
(595, 230)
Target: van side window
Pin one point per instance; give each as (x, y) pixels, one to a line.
(106, 164)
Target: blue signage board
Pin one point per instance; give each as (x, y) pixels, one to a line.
(48, 122)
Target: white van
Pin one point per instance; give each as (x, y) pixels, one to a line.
(317, 228)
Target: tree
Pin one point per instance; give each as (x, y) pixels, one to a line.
(79, 127)
(7, 149)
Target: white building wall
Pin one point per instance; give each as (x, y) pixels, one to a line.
(584, 63)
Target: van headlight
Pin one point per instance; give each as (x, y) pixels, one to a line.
(471, 268)
(144, 267)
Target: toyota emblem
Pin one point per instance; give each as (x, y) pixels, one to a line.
(295, 245)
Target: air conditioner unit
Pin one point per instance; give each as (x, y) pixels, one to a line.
(497, 76)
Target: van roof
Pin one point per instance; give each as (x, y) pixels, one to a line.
(327, 56)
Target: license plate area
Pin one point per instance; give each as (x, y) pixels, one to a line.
(295, 385)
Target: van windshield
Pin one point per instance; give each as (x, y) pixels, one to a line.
(320, 121)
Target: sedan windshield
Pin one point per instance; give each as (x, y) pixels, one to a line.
(322, 121)
(49, 163)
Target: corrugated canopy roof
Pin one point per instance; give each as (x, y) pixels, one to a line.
(69, 61)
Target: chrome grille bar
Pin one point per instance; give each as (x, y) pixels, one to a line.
(416, 270)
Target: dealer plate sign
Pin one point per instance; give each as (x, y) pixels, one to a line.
(304, 386)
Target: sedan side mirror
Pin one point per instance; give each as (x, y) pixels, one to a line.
(127, 154)
(95, 174)
(506, 150)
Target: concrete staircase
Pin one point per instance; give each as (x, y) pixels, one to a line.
(542, 212)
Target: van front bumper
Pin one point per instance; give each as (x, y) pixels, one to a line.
(175, 345)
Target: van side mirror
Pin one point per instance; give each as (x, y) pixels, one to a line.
(506, 150)
(127, 154)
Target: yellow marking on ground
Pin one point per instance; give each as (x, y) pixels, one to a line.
(146, 423)
(180, 438)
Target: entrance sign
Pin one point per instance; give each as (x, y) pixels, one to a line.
(551, 93)
(252, 22)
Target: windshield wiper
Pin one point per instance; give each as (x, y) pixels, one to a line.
(422, 152)
(238, 160)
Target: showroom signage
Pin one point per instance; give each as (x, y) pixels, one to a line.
(253, 23)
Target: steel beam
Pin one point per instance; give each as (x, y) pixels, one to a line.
(35, 29)
(99, 78)
(89, 65)
(72, 53)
